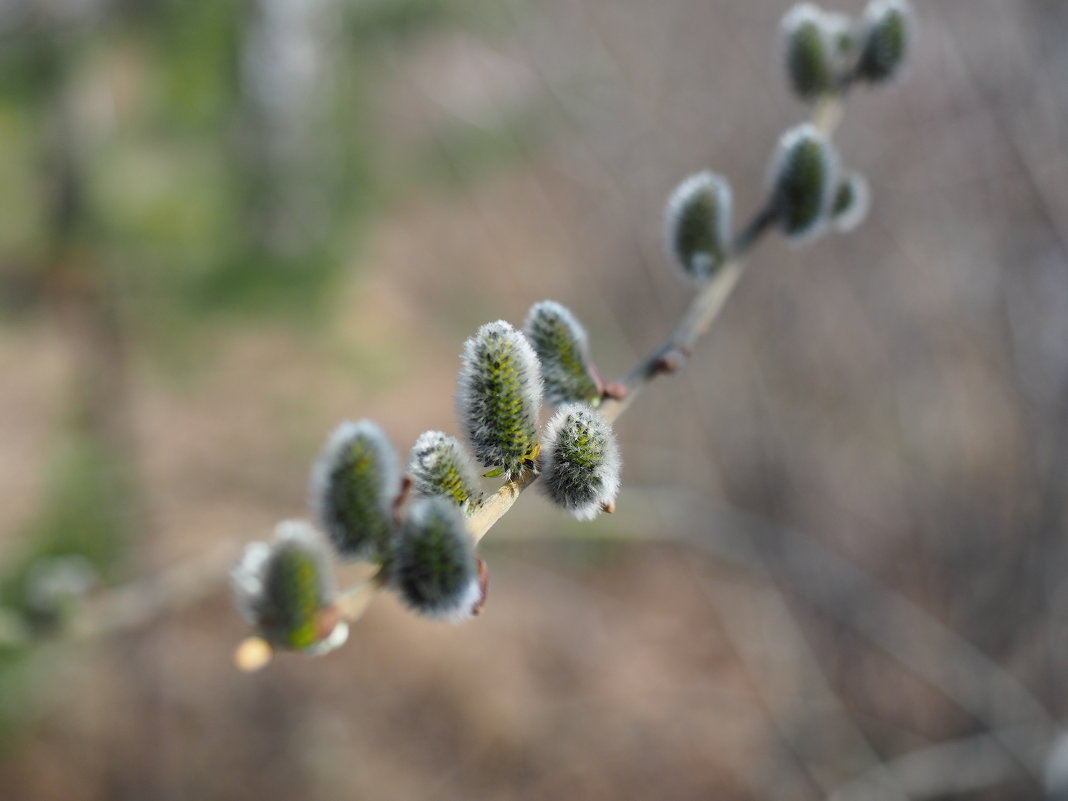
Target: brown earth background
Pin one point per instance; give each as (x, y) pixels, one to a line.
(893, 401)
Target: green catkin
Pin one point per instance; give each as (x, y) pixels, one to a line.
(697, 221)
(843, 37)
(352, 489)
(439, 466)
(560, 342)
(809, 52)
(283, 588)
(803, 180)
(434, 568)
(887, 37)
(851, 202)
(580, 461)
(499, 395)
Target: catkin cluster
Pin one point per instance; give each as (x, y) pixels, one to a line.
(414, 527)
(807, 189)
(416, 524)
(824, 51)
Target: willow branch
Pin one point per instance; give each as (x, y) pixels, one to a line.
(129, 606)
(667, 357)
(498, 505)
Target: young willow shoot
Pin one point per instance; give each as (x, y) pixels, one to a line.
(422, 531)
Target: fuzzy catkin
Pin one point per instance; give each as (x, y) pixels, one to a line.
(440, 466)
(851, 203)
(808, 51)
(434, 568)
(842, 33)
(580, 461)
(697, 221)
(560, 342)
(499, 395)
(352, 489)
(283, 587)
(803, 180)
(887, 37)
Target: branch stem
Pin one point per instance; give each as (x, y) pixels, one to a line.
(498, 504)
(353, 602)
(827, 113)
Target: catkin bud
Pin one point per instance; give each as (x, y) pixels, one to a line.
(851, 202)
(803, 180)
(885, 41)
(697, 222)
(439, 466)
(560, 342)
(352, 489)
(499, 396)
(434, 567)
(286, 590)
(580, 461)
(808, 51)
(842, 34)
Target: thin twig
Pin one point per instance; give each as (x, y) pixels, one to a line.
(951, 769)
(131, 605)
(670, 355)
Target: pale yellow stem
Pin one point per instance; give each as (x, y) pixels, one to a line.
(827, 113)
(354, 601)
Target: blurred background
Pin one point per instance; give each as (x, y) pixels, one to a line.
(838, 564)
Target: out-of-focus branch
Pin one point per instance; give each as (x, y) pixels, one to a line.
(848, 594)
(132, 605)
(789, 675)
(948, 770)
